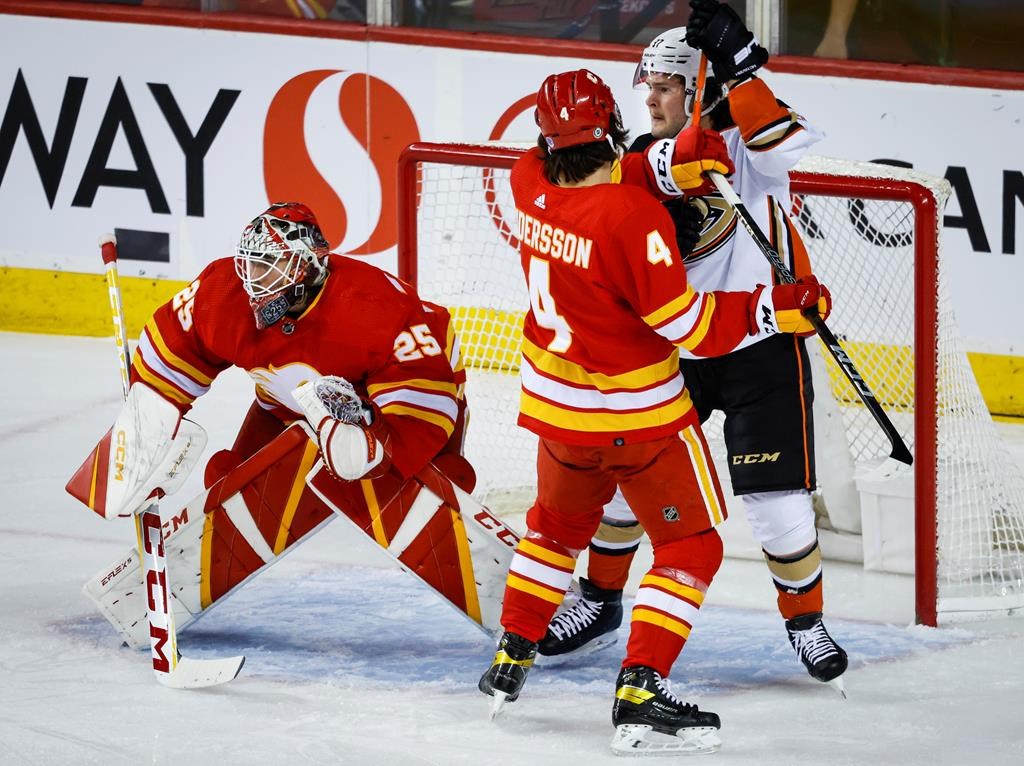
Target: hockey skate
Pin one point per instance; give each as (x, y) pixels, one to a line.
(824, 659)
(588, 625)
(650, 720)
(507, 674)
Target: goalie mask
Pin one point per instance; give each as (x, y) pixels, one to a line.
(282, 253)
(669, 54)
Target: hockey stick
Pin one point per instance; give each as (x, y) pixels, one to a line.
(170, 668)
(899, 459)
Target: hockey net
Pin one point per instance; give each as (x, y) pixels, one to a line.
(873, 232)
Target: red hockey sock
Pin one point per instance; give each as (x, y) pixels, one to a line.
(538, 578)
(668, 599)
(609, 571)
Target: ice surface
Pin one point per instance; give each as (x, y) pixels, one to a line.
(350, 661)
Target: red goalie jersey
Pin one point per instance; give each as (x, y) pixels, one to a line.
(364, 325)
(609, 305)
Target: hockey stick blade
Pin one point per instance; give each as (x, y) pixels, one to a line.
(191, 673)
(881, 469)
(900, 453)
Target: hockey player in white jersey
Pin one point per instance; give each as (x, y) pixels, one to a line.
(764, 387)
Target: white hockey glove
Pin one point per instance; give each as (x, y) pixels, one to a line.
(352, 442)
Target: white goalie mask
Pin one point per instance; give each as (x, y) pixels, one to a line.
(281, 253)
(669, 54)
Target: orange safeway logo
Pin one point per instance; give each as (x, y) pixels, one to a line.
(379, 120)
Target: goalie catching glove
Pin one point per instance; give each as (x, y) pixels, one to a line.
(789, 308)
(353, 441)
(678, 164)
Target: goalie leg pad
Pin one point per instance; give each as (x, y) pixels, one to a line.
(435, 531)
(237, 528)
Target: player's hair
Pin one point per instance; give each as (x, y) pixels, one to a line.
(574, 163)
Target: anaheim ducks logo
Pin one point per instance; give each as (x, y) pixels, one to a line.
(719, 226)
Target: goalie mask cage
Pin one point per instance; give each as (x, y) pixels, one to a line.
(873, 234)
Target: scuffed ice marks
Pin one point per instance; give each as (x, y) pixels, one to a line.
(378, 626)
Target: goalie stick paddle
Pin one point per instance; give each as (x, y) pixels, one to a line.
(900, 458)
(170, 668)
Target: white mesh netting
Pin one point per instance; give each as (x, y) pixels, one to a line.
(864, 249)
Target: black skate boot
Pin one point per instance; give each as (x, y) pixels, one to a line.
(596, 615)
(824, 659)
(644, 703)
(507, 674)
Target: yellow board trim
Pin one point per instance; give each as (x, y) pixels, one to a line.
(533, 589)
(68, 303)
(488, 338)
(466, 567)
(294, 495)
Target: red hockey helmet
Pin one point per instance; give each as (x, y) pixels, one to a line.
(574, 108)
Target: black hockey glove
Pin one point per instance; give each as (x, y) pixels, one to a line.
(688, 216)
(732, 49)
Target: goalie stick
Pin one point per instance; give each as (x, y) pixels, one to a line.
(170, 668)
(900, 458)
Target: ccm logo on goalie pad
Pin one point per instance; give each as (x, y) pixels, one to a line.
(120, 455)
(503, 533)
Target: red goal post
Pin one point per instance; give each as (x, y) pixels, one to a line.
(874, 234)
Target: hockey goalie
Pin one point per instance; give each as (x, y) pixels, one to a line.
(358, 413)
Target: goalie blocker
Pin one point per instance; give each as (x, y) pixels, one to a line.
(278, 498)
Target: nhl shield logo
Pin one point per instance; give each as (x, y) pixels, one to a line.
(670, 512)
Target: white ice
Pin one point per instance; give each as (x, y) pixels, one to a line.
(351, 661)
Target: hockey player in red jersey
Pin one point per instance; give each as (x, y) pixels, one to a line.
(764, 386)
(358, 413)
(610, 311)
(313, 314)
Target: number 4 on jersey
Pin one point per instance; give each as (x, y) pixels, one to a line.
(544, 309)
(657, 250)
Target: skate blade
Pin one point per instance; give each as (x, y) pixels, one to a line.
(497, 703)
(837, 684)
(641, 740)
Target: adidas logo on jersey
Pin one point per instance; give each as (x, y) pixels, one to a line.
(540, 202)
